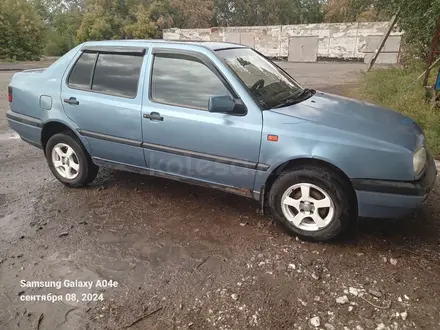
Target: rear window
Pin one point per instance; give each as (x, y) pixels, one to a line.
(113, 74)
(117, 74)
(81, 73)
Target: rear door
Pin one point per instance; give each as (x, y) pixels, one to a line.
(181, 137)
(102, 94)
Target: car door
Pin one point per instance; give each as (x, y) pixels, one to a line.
(181, 137)
(102, 94)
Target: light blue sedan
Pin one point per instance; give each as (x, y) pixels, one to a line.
(222, 115)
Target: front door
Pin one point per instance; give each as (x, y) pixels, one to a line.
(100, 94)
(181, 137)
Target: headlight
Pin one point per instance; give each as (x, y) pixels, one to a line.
(419, 160)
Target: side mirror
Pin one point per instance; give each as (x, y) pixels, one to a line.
(221, 104)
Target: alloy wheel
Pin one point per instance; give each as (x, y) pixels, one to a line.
(307, 206)
(65, 161)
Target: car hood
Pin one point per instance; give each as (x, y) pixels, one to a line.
(358, 117)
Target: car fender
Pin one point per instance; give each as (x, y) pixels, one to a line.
(355, 155)
(64, 120)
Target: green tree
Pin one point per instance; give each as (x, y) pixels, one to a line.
(102, 19)
(418, 18)
(62, 19)
(162, 13)
(21, 30)
(116, 19)
(269, 12)
(62, 33)
(338, 11)
(192, 13)
(142, 27)
(312, 11)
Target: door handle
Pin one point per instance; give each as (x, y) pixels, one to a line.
(71, 101)
(153, 116)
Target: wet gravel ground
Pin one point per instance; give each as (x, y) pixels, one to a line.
(187, 257)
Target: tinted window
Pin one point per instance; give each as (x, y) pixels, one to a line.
(117, 74)
(82, 71)
(184, 81)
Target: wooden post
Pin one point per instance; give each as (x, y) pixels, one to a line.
(434, 51)
(382, 42)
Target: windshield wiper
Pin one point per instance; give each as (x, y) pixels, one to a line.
(306, 92)
(304, 95)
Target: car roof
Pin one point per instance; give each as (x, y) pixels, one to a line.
(142, 42)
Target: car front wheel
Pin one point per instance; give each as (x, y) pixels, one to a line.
(69, 161)
(312, 203)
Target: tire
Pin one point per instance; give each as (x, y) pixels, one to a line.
(326, 188)
(86, 170)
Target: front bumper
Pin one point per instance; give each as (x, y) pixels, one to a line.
(391, 199)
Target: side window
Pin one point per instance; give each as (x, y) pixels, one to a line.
(185, 81)
(81, 73)
(117, 74)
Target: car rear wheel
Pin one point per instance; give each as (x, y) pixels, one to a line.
(68, 160)
(312, 203)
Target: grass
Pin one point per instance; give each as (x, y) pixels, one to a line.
(389, 88)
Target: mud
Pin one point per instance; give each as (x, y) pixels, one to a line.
(187, 257)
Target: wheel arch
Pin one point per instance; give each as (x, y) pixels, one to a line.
(293, 163)
(53, 127)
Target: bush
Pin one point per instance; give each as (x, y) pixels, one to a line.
(389, 88)
(21, 31)
(62, 32)
(59, 44)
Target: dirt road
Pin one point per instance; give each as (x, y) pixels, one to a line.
(188, 257)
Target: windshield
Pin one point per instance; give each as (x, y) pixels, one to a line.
(269, 85)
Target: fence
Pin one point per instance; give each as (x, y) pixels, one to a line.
(305, 42)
